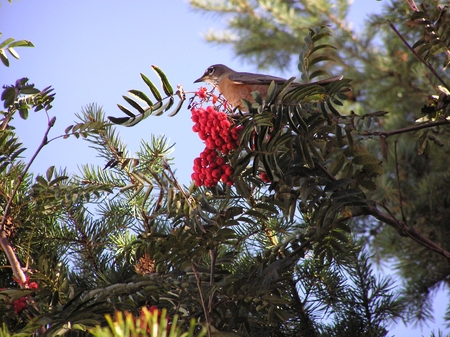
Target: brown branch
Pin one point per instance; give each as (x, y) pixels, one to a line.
(404, 230)
(325, 171)
(202, 297)
(400, 198)
(389, 219)
(413, 128)
(412, 5)
(427, 64)
(213, 256)
(4, 240)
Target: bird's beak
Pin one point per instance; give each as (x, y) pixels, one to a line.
(201, 79)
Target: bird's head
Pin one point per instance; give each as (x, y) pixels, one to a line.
(214, 74)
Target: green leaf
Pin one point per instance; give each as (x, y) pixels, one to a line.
(16, 154)
(6, 42)
(141, 96)
(152, 88)
(165, 82)
(337, 184)
(374, 168)
(4, 58)
(321, 59)
(322, 46)
(126, 110)
(13, 53)
(337, 164)
(365, 159)
(23, 113)
(318, 73)
(347, 193)
(49, 173)
(41, 181)
(57, 180)
(21, 43)
(134, 105)
(242, 187)
(271, 91)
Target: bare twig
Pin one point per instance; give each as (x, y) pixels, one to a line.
(400, 199)
(404, 230)
(413, 128)
(412, 5)
(427, 64)
(202, 297)
(213, 257)
(4, 241)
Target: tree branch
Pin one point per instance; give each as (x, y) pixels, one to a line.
(202, 297)
(400, 198)
(413, 128)
(404, 230)
(427, 64)
(4, 241)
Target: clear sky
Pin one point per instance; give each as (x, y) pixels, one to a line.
(93, 52)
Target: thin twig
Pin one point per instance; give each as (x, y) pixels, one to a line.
(4, 241)
(427, 64)
(202, 297)
(213, 257)
(400, 199)
(325, 171)
(412, 5)
(406, 129)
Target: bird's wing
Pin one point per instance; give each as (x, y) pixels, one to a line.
(249, 78)
(321, 82)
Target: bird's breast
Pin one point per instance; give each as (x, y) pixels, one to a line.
(235, 92)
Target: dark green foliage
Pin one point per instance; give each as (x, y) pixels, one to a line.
(412, 141)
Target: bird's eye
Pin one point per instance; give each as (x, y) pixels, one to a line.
(211, 70)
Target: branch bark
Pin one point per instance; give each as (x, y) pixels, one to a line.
(404, 230)
(413, 128)
(4, 240)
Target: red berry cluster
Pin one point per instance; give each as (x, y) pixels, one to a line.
(214, 128)
(20, 305)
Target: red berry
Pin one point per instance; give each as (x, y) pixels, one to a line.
(225, 124)
(264, 177)
(228, 169)
(220, 161)
(216, 173)
(33, 285)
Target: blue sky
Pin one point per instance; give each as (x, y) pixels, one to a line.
(93, 52)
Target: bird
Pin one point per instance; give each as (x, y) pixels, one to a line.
(235, 86)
